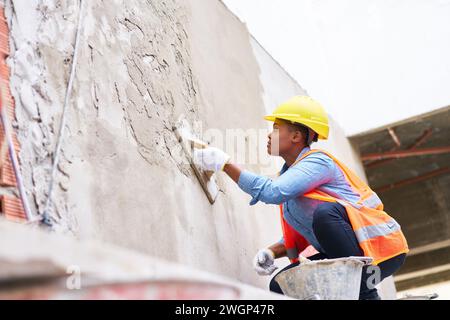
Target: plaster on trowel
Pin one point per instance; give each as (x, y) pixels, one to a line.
(189, 142)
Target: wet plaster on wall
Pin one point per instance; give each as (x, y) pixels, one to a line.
(133, 63)
(142, 64)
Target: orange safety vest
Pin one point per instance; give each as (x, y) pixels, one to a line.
(378, 234)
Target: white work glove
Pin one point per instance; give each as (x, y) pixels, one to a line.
(210, 159)
(264, 262)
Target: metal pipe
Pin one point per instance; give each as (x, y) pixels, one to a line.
(421, 140)
(405, 153)
(46, 216)
(394, 137)
(406, 182)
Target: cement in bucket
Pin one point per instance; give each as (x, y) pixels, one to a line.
(329, 279)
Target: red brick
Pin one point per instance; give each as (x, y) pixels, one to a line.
(12, 208)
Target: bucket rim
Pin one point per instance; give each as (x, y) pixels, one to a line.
(365, 260)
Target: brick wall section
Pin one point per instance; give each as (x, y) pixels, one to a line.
(10, 206)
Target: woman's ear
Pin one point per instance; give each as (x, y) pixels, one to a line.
(297, 136)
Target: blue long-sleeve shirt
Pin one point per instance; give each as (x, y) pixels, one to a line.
(317, 170)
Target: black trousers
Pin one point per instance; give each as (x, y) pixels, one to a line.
(334, 232)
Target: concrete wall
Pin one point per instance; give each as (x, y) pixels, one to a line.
(142, 66)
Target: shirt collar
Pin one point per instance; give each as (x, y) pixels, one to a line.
(302, 153)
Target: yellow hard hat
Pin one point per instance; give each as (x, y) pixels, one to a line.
(306, 111)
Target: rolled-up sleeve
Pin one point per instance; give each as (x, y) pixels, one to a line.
(310, 173)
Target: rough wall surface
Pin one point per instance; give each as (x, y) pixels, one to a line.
(142, 65)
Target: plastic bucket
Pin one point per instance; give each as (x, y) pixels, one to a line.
(329, 279)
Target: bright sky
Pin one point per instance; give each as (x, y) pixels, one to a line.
(369, 62)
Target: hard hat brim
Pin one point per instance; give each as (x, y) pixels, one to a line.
(295, 119)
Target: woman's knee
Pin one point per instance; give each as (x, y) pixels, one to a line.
(391, 266)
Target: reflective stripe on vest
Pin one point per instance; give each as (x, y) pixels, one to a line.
(373, 201)
(384, 229)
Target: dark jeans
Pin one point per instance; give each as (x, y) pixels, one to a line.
(334, 232)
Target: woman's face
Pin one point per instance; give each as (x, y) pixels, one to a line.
(282, 139)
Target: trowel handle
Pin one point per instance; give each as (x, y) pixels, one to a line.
(198, 144)
(366, 260)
